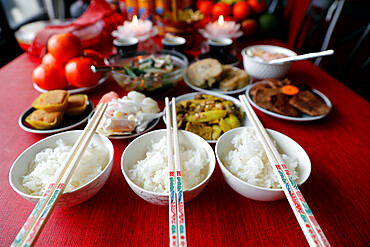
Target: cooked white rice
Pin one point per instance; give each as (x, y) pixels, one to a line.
(47, 163)
(249, 162)
(151, 173)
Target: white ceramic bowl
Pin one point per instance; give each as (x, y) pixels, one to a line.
(136, 151)
(285, 144)
(68, 199)
(262, 70)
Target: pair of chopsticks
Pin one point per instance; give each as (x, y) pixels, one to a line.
(311, 229)
(30, 231)
(176, 197)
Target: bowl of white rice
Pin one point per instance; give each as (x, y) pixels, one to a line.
(246, 168)
(38, 165)
(145, 168)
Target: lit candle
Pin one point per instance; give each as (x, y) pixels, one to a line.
(220, 20)
(135, 28)
(221, 28)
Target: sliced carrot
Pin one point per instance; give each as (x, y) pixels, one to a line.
(289, 90)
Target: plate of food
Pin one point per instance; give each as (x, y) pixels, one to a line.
(74, 90)
(209, 115)
(129, 116)
(288, 100)
(209, 75)
(64, 113)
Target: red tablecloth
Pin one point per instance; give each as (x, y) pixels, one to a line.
(337, 190)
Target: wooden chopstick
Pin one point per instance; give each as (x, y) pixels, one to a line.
(171, 173)
(311, 229)
(176, 200)
(36, 221)
(180, 196)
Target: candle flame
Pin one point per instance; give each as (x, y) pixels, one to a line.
(221, 20)
(134, 20)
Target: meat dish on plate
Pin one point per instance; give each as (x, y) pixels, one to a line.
(288, 98)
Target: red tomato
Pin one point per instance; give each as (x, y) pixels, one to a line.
(50, 59)
(258, 6)
(94, 55)
(221, 9)
(79, 74)
(64, 46)
(241, 10)
(249, 27)
(49, 77)
(205, 7)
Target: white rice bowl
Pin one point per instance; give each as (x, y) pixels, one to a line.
(35, 168)
(46, 165)
(245, 167)
(151, 173)
(248, 161)
(145, 168)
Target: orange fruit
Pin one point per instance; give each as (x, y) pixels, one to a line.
(241, 10)
(79, 74)
(249, 27)
(64, 46)
(205, 7)
(221, 8)
(258, 6)
(49, 77)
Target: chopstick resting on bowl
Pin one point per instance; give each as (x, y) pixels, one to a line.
(36, 221)
(176, 200)
(311, 229)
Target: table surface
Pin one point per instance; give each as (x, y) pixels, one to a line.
(337, 190)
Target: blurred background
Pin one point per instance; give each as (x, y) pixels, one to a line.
(304, 25)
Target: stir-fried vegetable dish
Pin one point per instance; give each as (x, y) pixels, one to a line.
(208, 116)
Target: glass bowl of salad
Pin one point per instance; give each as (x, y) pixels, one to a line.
(150, 73)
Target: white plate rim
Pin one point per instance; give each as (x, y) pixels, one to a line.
(304, 118)
(77, 90)
(216, 90)
(189, 96)
(52, 131)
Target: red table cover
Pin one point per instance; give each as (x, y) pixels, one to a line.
(337, 190)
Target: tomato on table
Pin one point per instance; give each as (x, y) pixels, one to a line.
(49, 77)
(79, 74)
(50, 59)
(64, 46)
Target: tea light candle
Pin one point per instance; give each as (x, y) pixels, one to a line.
(135, 28)
(221, 28)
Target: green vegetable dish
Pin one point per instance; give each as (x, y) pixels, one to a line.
(150, 66)
(208, 116)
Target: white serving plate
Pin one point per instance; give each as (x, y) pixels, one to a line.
(302, 118)
(190, 96)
